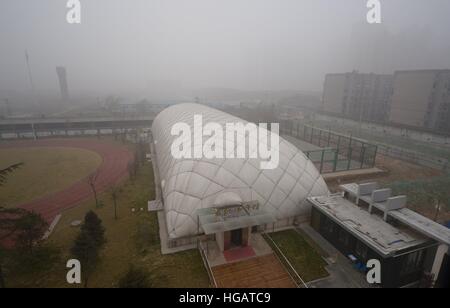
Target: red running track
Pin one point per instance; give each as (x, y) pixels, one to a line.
(113, 168)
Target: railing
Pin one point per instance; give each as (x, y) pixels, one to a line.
(285, 262)
(207, 265)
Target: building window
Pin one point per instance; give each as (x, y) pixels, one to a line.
(344, 237)
(328, 226)
(412, 262)
(361, 250)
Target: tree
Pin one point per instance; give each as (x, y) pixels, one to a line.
(136, 162)
(135, 278)
(23, 227)
(141, 151)
(30, 228)
(114, 191)
(130, 169)
(93, 227)
(2, 276)
(8, 221)
(91, 180)
(88, 244)
(7, 228)
(438, 194)
(86, 251)
(427, 192)
(6, 218)
(5, 172)
(133, 167)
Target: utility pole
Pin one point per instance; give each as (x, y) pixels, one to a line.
(8, 107)
(27, 59)
(33, 92)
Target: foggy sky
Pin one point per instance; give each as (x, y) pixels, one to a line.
(124, 45)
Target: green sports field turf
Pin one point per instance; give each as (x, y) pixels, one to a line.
(46, 170)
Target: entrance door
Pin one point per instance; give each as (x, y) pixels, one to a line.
(236, 237)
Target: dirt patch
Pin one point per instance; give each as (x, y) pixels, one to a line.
(396, 170)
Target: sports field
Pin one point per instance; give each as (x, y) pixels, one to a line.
(45, 170)
(53, 177)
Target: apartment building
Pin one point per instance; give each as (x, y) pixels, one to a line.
(421, 98)
(358, 96)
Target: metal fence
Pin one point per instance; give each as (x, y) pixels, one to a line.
(204, 256)
(337, 152)
(424, 149)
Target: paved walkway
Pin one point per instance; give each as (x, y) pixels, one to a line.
(259, 272)
(217, 257)
(342, 274)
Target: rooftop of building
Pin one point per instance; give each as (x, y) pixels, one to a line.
(383, 237)
(394, 208)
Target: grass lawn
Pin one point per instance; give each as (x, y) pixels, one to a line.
(45, 171)
(303, 257)
(132, 239)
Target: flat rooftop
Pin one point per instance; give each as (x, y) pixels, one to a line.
(422, 224)
(371, 229)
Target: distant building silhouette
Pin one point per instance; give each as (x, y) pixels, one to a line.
(421, 99)
(416, 98)
(358, 96)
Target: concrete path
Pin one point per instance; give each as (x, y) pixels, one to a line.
(342, 274)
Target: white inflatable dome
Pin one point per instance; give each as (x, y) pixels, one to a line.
(191, 184)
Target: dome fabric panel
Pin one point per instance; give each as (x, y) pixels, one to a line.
(191, 184)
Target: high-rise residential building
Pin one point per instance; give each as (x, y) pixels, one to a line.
(358, 96)
(421, 98)
(64, 88)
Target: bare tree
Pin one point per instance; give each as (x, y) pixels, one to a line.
(131, 170)
(91, 180)
(114, 191)
(136, 163)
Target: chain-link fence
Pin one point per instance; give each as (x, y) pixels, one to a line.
(338, 152)
(424, 153)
